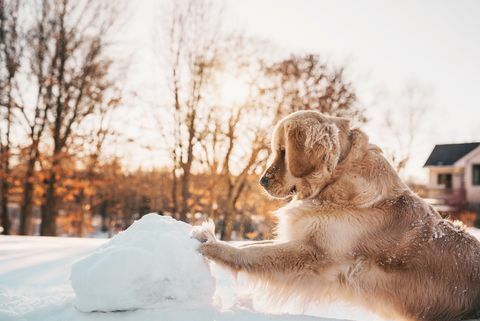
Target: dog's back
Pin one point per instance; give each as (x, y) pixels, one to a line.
(427, 267)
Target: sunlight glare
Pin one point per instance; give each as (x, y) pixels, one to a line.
(233, 91)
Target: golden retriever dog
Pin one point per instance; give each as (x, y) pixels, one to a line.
(353, 230)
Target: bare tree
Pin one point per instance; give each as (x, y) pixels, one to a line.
(78, 81)
(193, 48)
(11, 47)
(229, 141)
(307, 82)
(235, 142)
(35, 116)
(88, 144)
(404, 121)
(232, 152)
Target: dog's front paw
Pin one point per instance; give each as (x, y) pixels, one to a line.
(221, 253)
(204, 233)
(213, 250)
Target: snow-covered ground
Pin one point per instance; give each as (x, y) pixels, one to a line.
(35, 285)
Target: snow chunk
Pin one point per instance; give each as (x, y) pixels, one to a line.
(153, 263)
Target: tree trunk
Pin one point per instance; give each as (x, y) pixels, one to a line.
(5, 157)
(4, 190)
(104, 215)
(80, 222)
(49, 208)
(49, 226)
(4, 199)
(234, 191)
(185, 193)
(26, 209)
(174, 192)
(229, 215)
(187, 168)
(27, 204)
(229, 220)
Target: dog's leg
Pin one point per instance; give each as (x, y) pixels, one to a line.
(256, 243)
(274, 258)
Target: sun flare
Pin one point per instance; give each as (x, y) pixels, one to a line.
(233, 91)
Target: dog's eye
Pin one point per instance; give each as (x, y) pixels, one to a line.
(282, 152)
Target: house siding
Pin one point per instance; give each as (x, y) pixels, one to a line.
(467, 162)
(457, 175)
(473, 191)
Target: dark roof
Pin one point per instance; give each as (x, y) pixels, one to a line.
(447, 154)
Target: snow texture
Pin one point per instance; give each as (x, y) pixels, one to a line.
(153, 263)
(35, 286)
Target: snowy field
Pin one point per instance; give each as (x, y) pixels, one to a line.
(35, 285)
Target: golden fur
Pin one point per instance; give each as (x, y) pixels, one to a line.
(353, 230)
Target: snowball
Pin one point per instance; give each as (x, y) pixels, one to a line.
(152, 263)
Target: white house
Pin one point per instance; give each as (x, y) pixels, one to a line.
(454, 176)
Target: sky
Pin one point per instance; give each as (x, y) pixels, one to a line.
(386, 45)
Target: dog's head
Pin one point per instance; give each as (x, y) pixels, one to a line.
(306, 147)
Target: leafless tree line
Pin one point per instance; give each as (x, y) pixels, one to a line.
(54, 77)
(229, 141)
(58, 89)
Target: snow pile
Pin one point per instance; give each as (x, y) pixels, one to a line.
(152, 263)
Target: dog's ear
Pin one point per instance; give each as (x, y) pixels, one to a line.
(323, 142)
(343, 124)
(298, 161)
(312, 145)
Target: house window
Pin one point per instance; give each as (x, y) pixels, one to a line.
(476, 174)
(445, 180)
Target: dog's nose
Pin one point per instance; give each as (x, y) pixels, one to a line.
(264, 181)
